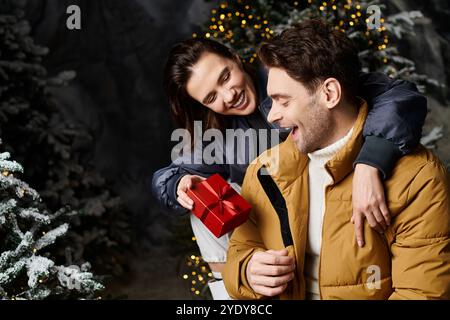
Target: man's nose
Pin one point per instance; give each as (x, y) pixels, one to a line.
(274, 114)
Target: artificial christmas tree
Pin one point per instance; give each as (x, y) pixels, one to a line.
(27, 270)
(244, 24)
(55, 152)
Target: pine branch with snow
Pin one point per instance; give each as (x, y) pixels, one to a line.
(27, 271)
(432, 137)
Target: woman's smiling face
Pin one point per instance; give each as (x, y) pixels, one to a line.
(222, 85)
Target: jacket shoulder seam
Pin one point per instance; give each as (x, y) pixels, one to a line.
(426, 164)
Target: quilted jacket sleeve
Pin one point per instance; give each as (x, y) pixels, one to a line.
(165, 181)
(421, 249)
(394, 124)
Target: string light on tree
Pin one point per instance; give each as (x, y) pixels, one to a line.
(197, 275)
(245, 24)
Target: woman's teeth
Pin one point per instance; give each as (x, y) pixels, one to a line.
(240, 101)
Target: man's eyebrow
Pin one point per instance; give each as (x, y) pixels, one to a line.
(277, 96)
(219, 80)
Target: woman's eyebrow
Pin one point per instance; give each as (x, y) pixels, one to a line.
(222, 74)
(205, 100)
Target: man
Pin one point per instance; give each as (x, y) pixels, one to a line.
(299, 242)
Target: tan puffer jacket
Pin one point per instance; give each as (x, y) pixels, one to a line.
(413, 255)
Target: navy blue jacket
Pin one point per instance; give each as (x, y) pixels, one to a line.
(393, 128)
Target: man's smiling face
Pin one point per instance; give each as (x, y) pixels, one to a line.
(295, 107)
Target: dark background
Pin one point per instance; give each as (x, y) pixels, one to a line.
(119, 55)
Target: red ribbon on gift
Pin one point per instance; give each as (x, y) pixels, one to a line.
(221, 194)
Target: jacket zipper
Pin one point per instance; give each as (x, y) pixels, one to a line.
(321, 246)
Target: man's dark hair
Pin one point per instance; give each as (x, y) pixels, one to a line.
(313, 51)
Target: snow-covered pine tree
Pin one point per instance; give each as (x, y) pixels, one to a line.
(55, 152)
(27, 271)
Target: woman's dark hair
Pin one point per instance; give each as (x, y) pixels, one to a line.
(185, 110)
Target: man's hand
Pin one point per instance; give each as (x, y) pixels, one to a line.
(269, 272)
(187, 182)
(368, 201)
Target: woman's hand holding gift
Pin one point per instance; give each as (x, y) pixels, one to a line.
(187, 182)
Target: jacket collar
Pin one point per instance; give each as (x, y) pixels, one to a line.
(342, 163)
(285, 163)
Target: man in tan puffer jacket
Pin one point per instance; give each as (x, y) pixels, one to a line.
(299, 241)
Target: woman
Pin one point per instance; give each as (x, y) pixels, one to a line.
(206, 81)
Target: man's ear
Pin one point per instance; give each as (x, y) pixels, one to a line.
(332, 92)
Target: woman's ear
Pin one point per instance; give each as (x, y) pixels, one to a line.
(332, 92)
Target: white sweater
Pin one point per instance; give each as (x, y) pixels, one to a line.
(319, 179)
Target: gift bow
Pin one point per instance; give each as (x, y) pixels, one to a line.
(221, 194)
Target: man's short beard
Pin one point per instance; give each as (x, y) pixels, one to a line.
(317, 127)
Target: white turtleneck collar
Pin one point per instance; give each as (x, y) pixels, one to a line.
(322, 156)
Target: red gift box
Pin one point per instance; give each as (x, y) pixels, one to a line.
(218, 205)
